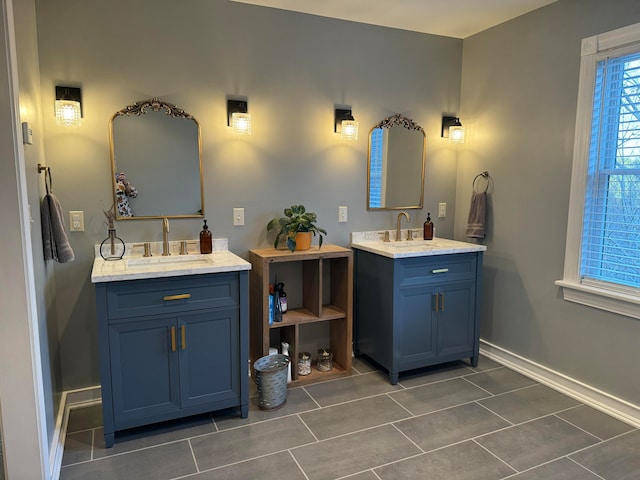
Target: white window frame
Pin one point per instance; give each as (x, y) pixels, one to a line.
(574, 290)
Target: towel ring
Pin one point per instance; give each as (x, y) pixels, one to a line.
(484, 175)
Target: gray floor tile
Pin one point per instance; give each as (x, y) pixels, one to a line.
(279, 466)
(353, 453)
(528, 403)
(297, 401)
(500, 380)
(361, 365)
(239, 444)
(155, 434)
(563, 469)
(485, 363)
(84, 418)
(350, 388)
(437, 396)
(433, 374)
(464, 461)
(147, 464)
(595, 422)
(452, 425)
(615, 459)
(77, 447)
(539, 441)
(353, 416)
(368, 475)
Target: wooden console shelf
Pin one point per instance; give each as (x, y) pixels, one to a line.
(338, 312)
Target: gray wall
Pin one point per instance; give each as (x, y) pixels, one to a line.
(293, 68)
(519, 91)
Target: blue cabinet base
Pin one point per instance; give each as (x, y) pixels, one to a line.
(416, 312)
(172, 348)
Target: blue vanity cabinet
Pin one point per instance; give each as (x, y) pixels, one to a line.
(418, 311)
(172, 347)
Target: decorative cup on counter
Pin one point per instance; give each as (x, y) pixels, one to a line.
(325, 360)
(304, 363)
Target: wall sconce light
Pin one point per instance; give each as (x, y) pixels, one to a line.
(345, 124)
(452, 128)
(68, 106)
(237, 117)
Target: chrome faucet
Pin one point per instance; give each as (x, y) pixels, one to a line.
(165, 237)
(398, 234)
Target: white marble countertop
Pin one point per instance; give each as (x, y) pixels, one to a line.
(372, 242)
(134, 265)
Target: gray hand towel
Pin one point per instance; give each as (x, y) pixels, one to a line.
(476, 224)
(54, 238)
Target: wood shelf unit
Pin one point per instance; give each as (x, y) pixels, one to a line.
(338, 312)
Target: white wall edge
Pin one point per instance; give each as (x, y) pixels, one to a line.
(602, 401)
(83, 397)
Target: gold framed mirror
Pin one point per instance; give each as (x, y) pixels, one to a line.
(396, 164)
(156, 162)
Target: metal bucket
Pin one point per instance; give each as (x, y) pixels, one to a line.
(271, 378)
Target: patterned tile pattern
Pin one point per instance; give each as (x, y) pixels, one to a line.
(449, 422)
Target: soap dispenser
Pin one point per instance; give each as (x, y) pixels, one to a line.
(205, 239)
(428, 228)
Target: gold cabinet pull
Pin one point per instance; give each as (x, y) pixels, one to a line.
(437, 301)
(181, 296)
(442, 306)
(183, 336)
(173, 339)
(440, 270)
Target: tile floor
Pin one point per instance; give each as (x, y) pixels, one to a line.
(451, 422)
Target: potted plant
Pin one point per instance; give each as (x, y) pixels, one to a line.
(296, 220)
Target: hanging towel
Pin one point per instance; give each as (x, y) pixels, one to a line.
(54, 238)
(476, 224)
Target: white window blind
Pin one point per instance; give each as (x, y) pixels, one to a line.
(610, 247)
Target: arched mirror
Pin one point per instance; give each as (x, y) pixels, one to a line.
(156, 162)
(395, 174)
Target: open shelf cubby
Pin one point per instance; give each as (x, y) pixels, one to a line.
(319, 285)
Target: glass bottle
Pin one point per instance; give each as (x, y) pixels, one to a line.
(428, 228)
(205, 239)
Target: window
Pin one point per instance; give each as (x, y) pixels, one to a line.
(602, 259)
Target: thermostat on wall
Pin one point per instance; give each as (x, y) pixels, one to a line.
(27, 133)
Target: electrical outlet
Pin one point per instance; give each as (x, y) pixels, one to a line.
(342, 214)
(76, 221)
(238, 217)
(442, 210)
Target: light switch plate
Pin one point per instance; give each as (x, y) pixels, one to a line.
(76, 221)
(238, 217)
(442, 210)
(342, 214)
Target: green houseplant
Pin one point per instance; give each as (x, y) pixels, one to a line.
(296, 219)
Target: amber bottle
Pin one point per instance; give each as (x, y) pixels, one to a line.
(428, 228)
(205, 239)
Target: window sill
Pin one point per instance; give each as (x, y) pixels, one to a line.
(614, 302)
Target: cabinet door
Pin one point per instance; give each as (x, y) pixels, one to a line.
(456, 322)
(144, 371)
(414, 327)
(209, 345)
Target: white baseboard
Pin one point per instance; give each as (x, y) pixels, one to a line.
(606, 403)
(70, 399)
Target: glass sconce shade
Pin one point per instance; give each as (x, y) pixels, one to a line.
(349, 130)
(241, 123)
(456, 134)
(68, 113)
(453, 129)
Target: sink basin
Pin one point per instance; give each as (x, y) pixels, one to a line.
(186, 261)
(411, 243)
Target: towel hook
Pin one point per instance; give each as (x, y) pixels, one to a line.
(484, 175)
(48, 181)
